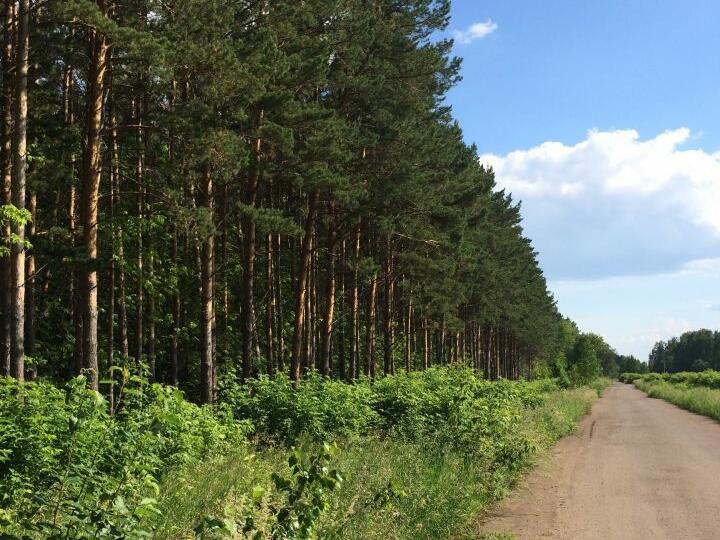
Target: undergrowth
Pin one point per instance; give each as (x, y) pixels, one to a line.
(415, 456)
(422, 469)
(697, 399)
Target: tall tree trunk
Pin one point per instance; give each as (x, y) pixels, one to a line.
(426, 344)
(30, 286)
(73, 203)
(388, 331)
(496, 353)
(175, 296)
(118, 242)
(7, 159)
(313, 358)
(17, 260)
(111, 277)
(441, 343)
(207, 254)
(224, 292)
(371, 317)
(151, 314)
(91, 188)
(308, 357)
(301, 293)
(408, 335)
(175, 307)
(328, 321)
(354, 307)
(270, 310)
(247, 312)
(342, 317)
(140, 209)
(279, 311)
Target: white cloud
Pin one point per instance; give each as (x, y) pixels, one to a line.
(614, 204)
(476, 30)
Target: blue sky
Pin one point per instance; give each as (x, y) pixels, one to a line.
(602, 118)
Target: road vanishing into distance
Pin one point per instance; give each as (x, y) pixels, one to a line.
(637, 468)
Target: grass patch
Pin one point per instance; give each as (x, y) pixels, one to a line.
(697, 399)
(394, 488)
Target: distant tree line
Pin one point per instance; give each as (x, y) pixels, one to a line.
(585, 356)
(692, 351)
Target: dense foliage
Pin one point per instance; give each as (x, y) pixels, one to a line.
(708, 378)
(433, 403)
(458, 447)
(229, 187)
(70, 467)
(582, 357)
(73, 467)
(692, 351)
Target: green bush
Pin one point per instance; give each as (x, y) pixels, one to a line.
(629, 378)
(448, 407)
(69, 467)
(708, 378)
(320, 408)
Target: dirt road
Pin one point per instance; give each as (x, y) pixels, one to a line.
(638, 468)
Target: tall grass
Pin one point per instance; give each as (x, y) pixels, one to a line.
(443, 487)
(697, 399)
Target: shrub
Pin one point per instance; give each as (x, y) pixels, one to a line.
(70, 467)
(319, 408)
(708, 378)
(451, 407)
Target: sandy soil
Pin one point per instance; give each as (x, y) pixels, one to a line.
(637, 468)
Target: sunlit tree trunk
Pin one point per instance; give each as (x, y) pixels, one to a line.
(354, 309)
(279, 311)
(408, 334)
(328, 321)
(30, 285)
(301, 292)
(139, 213)
(388, 330)
(247, 312)
(17, 257)
(270, 309)
(207, 255)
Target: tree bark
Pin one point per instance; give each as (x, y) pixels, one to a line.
(328, 321)
(7, 159)
(408, 335)
(175, 301)
(342, 316)
(279, 315)
(30, 286)
(118, 241)
(140, 200)
(305, 252)
(247, 312)
(270, 310)
(111, 280)
(74, 285)
(17, 260)
(388, 331)
(207, 254)
(354, 307)
(426, 344)
(151, 315)
(91, 188)
(370, 322)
